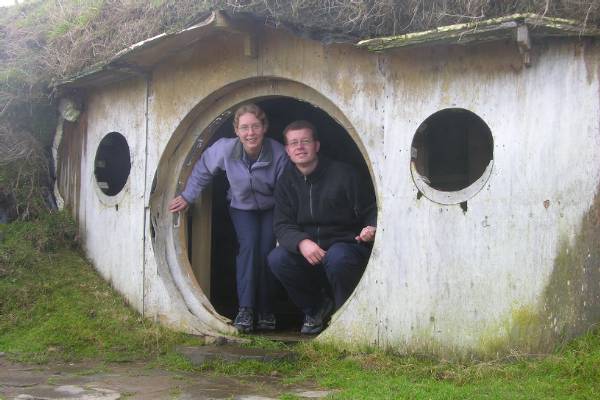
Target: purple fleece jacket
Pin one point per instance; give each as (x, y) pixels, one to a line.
(250, 188)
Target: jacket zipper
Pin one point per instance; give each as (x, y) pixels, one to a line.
(252, 188)
(310, 200)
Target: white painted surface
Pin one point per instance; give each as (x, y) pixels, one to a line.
(441, 277)
(113, 230)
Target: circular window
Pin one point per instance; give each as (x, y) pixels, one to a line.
(112, 163)
(452, 156)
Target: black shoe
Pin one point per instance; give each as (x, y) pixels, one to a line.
(314, 324)
(244, 321)
(266, 322)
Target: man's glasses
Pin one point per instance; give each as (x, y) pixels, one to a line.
(303, 142)
(247, 128)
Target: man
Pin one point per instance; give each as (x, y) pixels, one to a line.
(324, 223)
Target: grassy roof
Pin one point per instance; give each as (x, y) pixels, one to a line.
(49, 39)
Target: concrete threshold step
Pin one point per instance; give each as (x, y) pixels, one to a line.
(286, 337)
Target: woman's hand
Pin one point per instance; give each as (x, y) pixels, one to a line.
(178, 204)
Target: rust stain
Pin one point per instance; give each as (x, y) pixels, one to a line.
(426, 70)
(590, 58)
(192, 75)
(344, 76)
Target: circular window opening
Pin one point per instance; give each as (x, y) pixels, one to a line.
(112, 163)
(452, 152)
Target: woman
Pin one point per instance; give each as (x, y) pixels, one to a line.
(252, 164)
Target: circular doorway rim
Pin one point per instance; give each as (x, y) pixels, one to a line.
(185, 145)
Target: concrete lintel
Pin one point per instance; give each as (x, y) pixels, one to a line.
(483, 31)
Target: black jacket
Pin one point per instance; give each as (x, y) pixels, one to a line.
(328, 206)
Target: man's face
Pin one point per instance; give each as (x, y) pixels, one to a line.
(301, 147)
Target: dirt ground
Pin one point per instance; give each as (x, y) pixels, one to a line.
(96, 381)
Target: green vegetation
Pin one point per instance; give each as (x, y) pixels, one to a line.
(573, 372)
(53, 306)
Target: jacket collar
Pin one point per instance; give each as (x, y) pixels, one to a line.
(317, 173)
(265, 156)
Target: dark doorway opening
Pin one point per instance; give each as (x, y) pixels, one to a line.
(336, 143)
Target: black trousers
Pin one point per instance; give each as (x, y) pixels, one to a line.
(340, 271)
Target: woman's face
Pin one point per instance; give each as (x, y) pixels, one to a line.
(251, 133)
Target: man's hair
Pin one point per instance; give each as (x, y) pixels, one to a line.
(252, 109)
(301, 124)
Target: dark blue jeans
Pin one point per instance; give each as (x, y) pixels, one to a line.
(254, 229)
(341, 270)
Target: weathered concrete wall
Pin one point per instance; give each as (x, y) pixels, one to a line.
(440, 279)
(446, 280)
(113, 227)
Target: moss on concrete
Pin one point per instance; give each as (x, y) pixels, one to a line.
(571, 301)
(519, 332)
(569, 305)
(483, 30)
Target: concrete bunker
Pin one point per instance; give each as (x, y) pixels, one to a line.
(428, 260)
(204, 239)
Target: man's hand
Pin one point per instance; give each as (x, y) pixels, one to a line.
(311, 251)
(367, 234)
(178, 204)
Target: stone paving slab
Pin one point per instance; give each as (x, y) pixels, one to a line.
(198, 355)
(96, 381)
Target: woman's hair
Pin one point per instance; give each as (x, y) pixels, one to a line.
(252, 109)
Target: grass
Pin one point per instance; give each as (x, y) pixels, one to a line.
(55, 307)
(573, 372)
